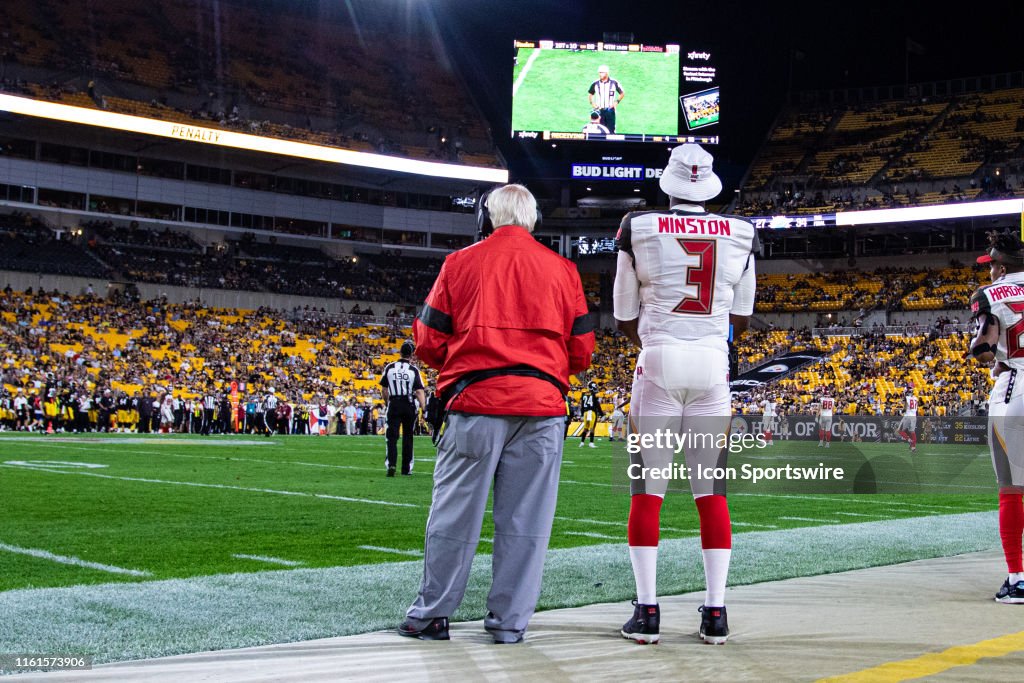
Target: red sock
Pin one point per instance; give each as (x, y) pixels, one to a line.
(767, 436)
(905, 436)
(644, 524)
(715, 528)
(821, 435)
(828, 436)
(1011, 527)
(913, 440)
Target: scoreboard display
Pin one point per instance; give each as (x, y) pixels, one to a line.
(618, 92)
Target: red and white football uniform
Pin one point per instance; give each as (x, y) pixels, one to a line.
(682, 272)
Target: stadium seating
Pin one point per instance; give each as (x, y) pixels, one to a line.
(886, 154)
(328, 95)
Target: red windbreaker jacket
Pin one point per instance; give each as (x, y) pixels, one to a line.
(505, 301)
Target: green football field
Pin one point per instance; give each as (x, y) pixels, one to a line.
(151, 545)
(175, 507)
(550, 90)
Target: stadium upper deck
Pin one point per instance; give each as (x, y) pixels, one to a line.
(826, 158)
(357, 87)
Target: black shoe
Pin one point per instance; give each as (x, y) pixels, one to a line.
(391, 471)
(1011, 594)
(645, 626)
(714, 626)
(435, 630)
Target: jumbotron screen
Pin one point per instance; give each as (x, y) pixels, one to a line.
(614, 92)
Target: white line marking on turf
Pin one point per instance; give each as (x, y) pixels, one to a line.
(526, 68)
(858, 514)
(67, 559)
(303, 494)
(588, 483)
(850, 500)
(486, 540)
(809, 519)
(271, 560)
(396, 551)
(759, 526)
(591, 534)
(56, 464)
(604, 523)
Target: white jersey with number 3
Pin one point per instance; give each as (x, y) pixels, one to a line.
(682, 272)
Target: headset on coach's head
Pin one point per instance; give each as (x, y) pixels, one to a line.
(484, 226)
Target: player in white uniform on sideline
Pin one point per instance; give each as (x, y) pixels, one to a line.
(769, 415)
(683, 276)
(826, 408)
(999, 311)
(908, 424)
(616, 430)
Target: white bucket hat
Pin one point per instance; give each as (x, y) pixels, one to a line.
(689, 175)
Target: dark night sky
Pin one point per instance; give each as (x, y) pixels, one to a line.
(845, 44)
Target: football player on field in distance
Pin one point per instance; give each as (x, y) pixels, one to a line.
(908, 424)
(617, 428)
(769, 407)
(590, 407)
(998, 310)
(826, 408)
(683, 277)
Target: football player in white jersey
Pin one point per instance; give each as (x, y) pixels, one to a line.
(617, 427)
(769, 415)
(826, 408)
(683, 277)
(908, 424)
(999, 311)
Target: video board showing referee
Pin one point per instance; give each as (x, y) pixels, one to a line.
(619, 92)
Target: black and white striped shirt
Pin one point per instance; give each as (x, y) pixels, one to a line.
(402, 379)
(270, 402)
(604, 92)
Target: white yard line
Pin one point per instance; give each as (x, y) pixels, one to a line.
(591, 534)
(67, 559)
(301, 494)
(270, 560)
(810, 519)
(395, 551)
(526, 68)
(859, 514)
(758, 526)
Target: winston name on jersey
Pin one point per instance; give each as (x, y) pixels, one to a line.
(1005, 300)
(693, 269)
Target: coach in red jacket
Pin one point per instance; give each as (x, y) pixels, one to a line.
(505, 324)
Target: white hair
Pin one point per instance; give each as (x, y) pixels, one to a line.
(512, 205)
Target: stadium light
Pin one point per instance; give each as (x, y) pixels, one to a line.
(1000, 207)
(254, 143)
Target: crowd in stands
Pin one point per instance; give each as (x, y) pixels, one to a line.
(121, 351)
(890, 288)
(869, 373)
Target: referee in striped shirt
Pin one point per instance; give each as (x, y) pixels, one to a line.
(400, 384)
(605, 96)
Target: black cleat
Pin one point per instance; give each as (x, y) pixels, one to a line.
(1011, 594)
(435, 630)
(391, 471)
(645, 626)
(714, 626)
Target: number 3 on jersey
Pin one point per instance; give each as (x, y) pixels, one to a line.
(701, 276)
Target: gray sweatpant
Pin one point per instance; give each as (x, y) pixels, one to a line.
(522, 457)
